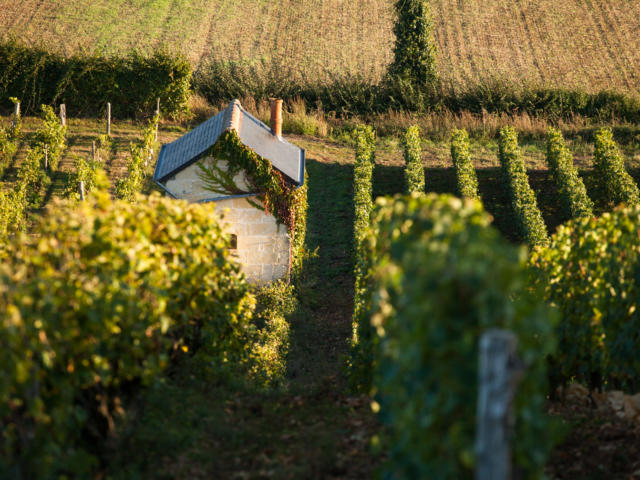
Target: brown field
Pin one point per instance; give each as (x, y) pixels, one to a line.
(590, 44)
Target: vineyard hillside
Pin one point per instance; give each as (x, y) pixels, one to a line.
(587, 44)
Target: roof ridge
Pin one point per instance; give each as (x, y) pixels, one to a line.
(253, 133)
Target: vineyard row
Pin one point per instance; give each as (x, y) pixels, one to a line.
(432, 275)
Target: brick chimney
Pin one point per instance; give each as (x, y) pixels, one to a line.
(276, 117)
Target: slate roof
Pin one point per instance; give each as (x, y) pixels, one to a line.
(184, 151)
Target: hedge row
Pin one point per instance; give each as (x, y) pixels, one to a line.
(221, 81)
(413, 170)
(591, 273)
(505, 97)
(442, 276)
(614, 182)
(134, 81)
(359, 370)
(95, 305)
(85, 83)
(529, 219)
(465, 171)
(573, 194)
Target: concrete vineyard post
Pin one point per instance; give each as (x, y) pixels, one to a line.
(16, 115)
(109, 119)
(63, 114)
(498, 374)
(158, 115)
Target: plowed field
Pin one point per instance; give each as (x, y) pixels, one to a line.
(592, 44)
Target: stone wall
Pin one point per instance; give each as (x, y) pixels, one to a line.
(263, 247)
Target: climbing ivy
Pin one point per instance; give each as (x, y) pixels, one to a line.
(282, 198)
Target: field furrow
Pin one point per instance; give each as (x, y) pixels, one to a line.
(460, 69)
(533, 40)
(616, 72)
(444, 41)
(520, 42)
(484, 22)
(617, 23)
(465, 28)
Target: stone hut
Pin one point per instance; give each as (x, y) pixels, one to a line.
(212, 164)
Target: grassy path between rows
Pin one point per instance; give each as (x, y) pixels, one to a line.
(192, 428)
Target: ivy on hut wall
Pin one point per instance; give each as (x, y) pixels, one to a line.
(281, 197)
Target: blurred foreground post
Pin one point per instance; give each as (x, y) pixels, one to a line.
(498, 374)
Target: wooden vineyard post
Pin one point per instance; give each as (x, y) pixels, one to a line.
(498, 375)
(46, 157)
(81, 189)
(158, 115)
(63, 114)
(93, 150)
(108, 119)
